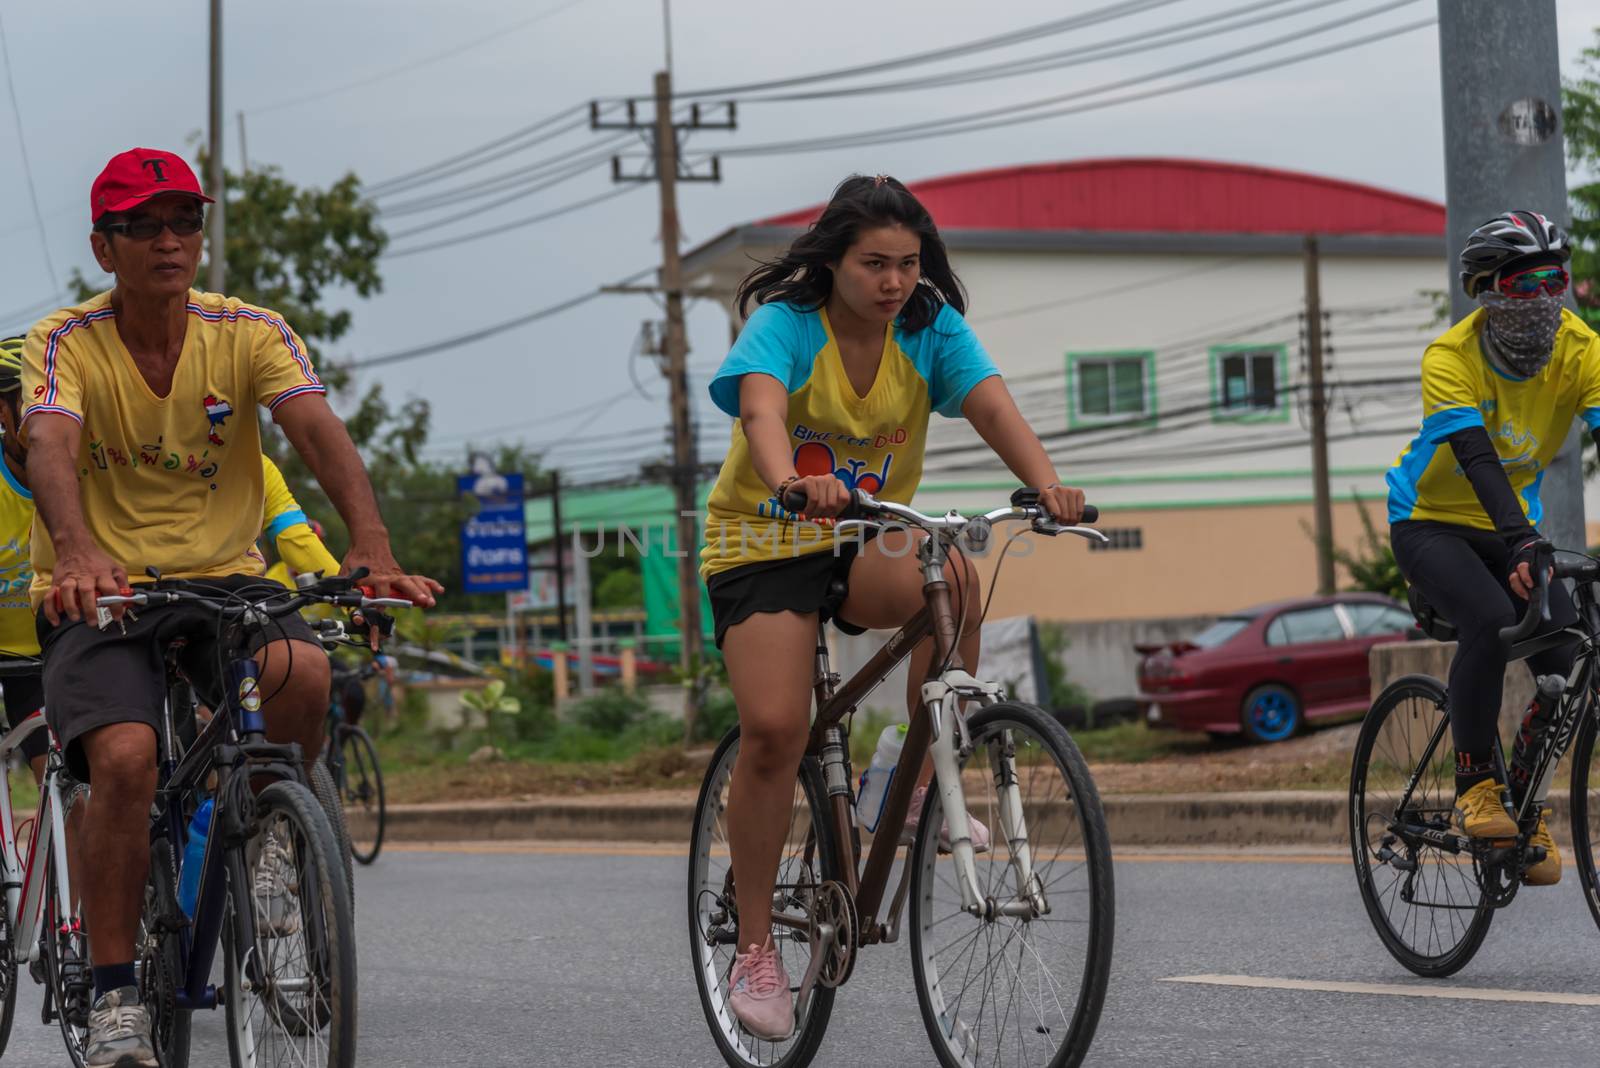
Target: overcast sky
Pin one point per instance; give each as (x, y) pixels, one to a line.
(90, 84)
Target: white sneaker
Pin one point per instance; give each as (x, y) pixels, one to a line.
(119, 1032)
(277, 884)
(979, 833)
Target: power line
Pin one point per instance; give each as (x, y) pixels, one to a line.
(457, 162)
(995, 118)
(1026, 33)
(446, 344)
(472, 213)
(514, 224)
(22, 149)
(411, 66)
(521, 178)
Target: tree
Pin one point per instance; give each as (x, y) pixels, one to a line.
(1580, 108)
(1372, 566)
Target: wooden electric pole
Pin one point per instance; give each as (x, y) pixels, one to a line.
(215, 277)
(1321, 494)
(668, 172)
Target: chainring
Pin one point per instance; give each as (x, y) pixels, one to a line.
(831, 903)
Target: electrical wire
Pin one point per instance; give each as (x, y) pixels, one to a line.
(457, 162)
(514, 224)
(529, 177)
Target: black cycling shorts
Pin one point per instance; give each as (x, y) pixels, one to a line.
(24, 695)
(816, 582)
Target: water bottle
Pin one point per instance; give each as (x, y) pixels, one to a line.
(875, 780)
(194, 855)
(1524, 751)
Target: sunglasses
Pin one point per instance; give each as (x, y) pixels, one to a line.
(1551, 280)
(145, 227)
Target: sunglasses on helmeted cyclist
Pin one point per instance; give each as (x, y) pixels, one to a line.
(1552, 280)
(144, 227)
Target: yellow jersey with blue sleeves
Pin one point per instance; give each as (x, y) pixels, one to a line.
(285, 525)
(17, 634)
(173, 482)
(873, 442)
(1526, 419)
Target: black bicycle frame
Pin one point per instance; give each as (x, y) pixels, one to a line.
(233, 745)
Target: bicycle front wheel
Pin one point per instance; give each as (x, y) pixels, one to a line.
(289, 954)
(1023, 985)
(808, 858)
(362, 790)
(1426, 904)
(1585, 804)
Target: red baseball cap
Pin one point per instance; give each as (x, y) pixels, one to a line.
(134, 176)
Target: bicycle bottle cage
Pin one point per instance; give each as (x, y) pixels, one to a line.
(1428, 618)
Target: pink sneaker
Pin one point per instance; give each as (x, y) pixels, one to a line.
(980, 833)
(758, 993)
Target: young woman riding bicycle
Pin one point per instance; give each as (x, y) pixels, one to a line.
(857, 337)
(1501, 388)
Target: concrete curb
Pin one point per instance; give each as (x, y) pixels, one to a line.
(1307, 818)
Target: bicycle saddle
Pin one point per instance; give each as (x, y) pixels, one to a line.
(1428, 618)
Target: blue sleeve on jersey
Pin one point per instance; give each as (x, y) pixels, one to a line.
(283, 521)
(1591, 418)
(1441, 425)
(949, 357)
(777, 341)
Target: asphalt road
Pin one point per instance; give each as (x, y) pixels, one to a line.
(551, 958)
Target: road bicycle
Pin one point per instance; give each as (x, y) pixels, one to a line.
(1010, 952)
(40, 927)
(352, 762)
(289, 956)
(1431, 891)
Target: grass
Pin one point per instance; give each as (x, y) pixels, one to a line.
(1135, 743)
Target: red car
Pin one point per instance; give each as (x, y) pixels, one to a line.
(1269, 670)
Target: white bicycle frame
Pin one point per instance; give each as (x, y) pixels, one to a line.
(23, 874)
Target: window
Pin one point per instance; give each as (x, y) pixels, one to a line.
(1306, 625)
(1110, 385)
(1248, 382)
(1221, 632)
(1121, 538)
(1368, 620)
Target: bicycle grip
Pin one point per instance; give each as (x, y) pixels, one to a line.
(794, 500)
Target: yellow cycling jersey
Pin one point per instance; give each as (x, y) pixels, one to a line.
(285, 525)
(17, 634)
(1526, 419)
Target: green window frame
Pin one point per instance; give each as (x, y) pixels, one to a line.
(1237, 383)
(1101, 386)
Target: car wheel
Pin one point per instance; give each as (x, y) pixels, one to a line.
(1271, 714)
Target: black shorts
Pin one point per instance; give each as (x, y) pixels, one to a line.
(816, 582)
(24, 695)
(99, 677)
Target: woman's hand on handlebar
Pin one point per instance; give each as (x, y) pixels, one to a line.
(825, 495)
(1521, 576)
(1064, 503)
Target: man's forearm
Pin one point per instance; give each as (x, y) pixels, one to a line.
(333, 459)
(53, 477)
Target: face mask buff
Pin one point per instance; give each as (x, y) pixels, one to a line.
(1522, 330)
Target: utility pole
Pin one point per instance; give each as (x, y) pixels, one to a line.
(215, 277)
(1500, 68)
(668, 172)
(244, 154)
(561, 555)
(1321, 495)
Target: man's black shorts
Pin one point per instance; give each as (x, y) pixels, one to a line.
(94, 678)
(24, 695)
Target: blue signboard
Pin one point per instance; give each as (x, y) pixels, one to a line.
(494, 546)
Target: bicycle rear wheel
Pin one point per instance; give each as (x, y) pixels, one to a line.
(67, 974)
(158, 954)
(1022, 991)
(1426, 904)
(1585, 803)
(289, 964)
(362, 790)
(327, 795)
(808, 858)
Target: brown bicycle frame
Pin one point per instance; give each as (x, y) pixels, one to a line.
(832, 706)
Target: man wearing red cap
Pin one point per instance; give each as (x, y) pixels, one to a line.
(140, 413)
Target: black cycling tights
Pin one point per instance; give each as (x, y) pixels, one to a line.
(1462, 572)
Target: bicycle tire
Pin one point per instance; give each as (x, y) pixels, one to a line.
(363, 785)
(1585, 811)
(158, 951)
(1433, 800)
(1081, 819)
(738, 1048)
(327, 795)
(8, 980)
(325, 929)
(67, 973)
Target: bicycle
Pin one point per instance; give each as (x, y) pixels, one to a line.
(1402, 791)
(352, 761)
(289, 993)
(1046, 889)
(40, 910)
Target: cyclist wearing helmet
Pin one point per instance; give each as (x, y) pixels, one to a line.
(24, 695)
(1500, 389)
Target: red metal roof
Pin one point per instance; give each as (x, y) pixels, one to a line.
(1163, 196)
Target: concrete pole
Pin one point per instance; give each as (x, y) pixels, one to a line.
(217, 258)
(1503, 149)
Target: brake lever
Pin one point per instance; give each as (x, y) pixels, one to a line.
(1052, 528)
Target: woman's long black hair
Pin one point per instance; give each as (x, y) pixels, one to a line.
(803, 276)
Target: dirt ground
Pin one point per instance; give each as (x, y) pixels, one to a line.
(1319, 759)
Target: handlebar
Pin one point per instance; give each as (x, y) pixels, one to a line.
(864, 507)
(1543, 565)
(278, 602)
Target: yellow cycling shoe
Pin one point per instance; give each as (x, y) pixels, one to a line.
(1482, 812)
(1548, 871)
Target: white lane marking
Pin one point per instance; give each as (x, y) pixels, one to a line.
(1462, 993)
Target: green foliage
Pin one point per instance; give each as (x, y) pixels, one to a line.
(1580, 107)
(621, 589)
(1064, 693)
(717, 717)
(609, 713)
(1372, 566)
